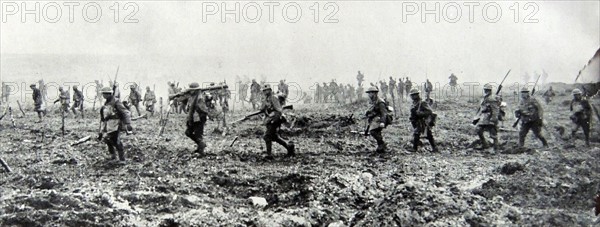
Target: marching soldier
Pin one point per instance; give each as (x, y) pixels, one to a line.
(453, 82)
(134, 98)
(64, 98)
(421, 119)
(408, 85)
(77, 101)
(273, 120)
(196, 116)
(531, 114)
(401, 87)
(99, 87)
(488, 117)
(38, 101)
(392, 87)
(582, 115)
(360, 78)
(172, 92)
(149, 100)
(384, 88)
(548, 95)
(5, 92)
(376, 116)
(115, 118)
(254, 94)
(428, 90)
(283, 88)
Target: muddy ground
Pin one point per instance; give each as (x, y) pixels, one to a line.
(335, 180)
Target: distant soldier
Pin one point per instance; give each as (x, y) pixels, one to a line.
(408, 85)
(254, 94)
(99, 87)
(196, 118)
(306, 97)
(360, 78)
(77, 101)
(359, 93)
(64, 98)
(38, 102)
(351, 92)
(172, 92)
(326, 93)
(428, 90)
(318, 93)
(392, 87)
(531, 115)
(273, 120)
(115, 118)
(283, 88)
(582, 115)
(453, 82)
(149, 100)
(421, 118)
(5, 92)
(376, 115)
(401, 87)
(548, 95)
(384, 88)
(334, 90)
(487, 119)
(134, 98)
(243, 92)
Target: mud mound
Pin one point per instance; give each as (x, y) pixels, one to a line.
(415, 203)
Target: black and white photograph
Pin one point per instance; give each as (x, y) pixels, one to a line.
(299, 113)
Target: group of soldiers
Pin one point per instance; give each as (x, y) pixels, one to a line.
(529, 113)
(197, 103)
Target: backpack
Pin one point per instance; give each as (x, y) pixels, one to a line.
(390, 113)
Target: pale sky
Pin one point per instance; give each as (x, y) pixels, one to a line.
(171, 39)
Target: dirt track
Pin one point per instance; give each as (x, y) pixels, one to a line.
(335, 178)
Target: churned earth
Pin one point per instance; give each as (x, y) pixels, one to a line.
(334, 180)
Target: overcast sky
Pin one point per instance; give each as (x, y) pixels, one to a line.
(369, 36)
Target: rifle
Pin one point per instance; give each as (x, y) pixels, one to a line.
(476, 120)
(532, 93)
(286, 107)
(164, 121)
(117, 96)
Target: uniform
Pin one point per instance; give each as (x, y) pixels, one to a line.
(531, 114)
(149, 100)
(548, 95)
(254, 94)
(196, 117)
(283, 88)
(273, 120)
(489, 111)
(38, 101)
(77, 101)
(376, 115)
(582, 115)
(134, 98)
(65, 99)
(428, 90)
(421, 117)
(115, 118)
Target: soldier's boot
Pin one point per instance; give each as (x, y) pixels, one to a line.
(544, 142)
(200, 146)
(269, 147)
(521, 141)
(111, 151)
(291, 149)
(433, 146)
(496, 146)
(482, 140)
(381, 147)
(416, 141)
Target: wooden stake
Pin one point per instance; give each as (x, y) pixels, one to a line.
(5, 165)
(20, 108)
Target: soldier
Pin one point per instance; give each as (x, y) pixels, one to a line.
(64, 98)
(401, 87)
(360, 78)
(453, 82)
(172, 92)
(5, 92)
(115, 118)
(77, 101)
(334, 90)
(351, 92)
(531, 114)
(254, 94)
(38, 101)
(408, 84)
(326, 93)
(99, 91)
(582, 115)
(359, 93)
(318, 93)
(376, 115)
(428, 90)
(273, 120)
(149, 100)
(243, 92)
(487, 119)
(421, 118)
(392, 87)
(384, 89)
(196, 118)
(134, 98)
(548, 95)
(283, 88)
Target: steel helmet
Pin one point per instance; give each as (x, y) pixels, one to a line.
(576, 91)
(414, 91)
(106, 90)
(266, 87)
(525, 90)
(372, 89)
(487, 87)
